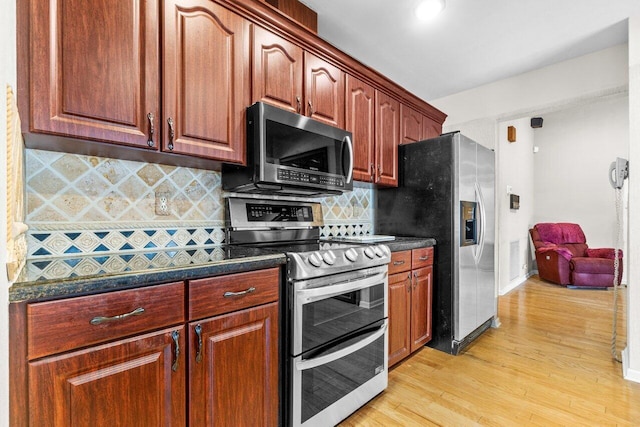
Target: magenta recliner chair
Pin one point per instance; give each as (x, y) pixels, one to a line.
(564, 258)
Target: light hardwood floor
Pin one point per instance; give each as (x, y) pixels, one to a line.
(548, 364)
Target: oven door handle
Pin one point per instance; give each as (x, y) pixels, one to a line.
(303, 365)
(305, 296)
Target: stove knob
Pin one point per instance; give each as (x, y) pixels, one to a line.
(351, 254)
(369, 252)
(315, 259)
(329, 257)
(385, 250)
(378, 251)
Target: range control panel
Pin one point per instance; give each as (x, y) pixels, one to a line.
(278, 213)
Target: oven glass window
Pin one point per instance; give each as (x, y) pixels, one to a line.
(289, 146)
(331, 318)
(326, 384)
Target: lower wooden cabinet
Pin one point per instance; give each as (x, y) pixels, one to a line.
(233, 371)
(133, 382)
(410, 302)
(204, 353)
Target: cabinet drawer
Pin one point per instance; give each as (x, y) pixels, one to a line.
(400, 261)
(421, 257)
(224, 294)
(57, 326)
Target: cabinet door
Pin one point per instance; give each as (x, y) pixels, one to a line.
(94, 70)
(277, 71)
(399, 316)
(430, 128)
(206, 80)
(387, 139)
(421, 297)
(324, 91)
(234, 372)
(126, 383)
(411, 125)
(360, 108)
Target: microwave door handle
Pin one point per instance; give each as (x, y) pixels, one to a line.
(323, 360)
(350, 147)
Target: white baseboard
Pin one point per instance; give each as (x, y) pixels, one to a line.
(628, 373)
(516, 282)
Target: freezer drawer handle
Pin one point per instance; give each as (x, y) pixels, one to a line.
(100, 319)
(237, 294)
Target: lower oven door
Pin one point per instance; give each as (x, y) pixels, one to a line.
(335, 381)
(339, 349)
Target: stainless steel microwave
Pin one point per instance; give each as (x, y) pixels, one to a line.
(291, 154)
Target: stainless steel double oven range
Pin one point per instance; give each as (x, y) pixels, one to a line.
(333, 309)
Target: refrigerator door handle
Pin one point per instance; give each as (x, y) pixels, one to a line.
(481, 223)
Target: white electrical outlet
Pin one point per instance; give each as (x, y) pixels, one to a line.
(162, 203)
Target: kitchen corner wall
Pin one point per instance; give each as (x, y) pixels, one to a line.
(82, 205)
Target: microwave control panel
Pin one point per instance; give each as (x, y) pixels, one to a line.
(306, 177)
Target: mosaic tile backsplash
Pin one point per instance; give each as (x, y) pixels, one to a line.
(83, 205)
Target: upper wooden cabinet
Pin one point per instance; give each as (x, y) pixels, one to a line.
(387, 139)
(206, 80)
(411, 127)
(324, 91)
(277, 71)
(93, 73)
(416, 126)
(92, 69)
(360, 121)
(169, 82)
(430, 128)
(286, 76)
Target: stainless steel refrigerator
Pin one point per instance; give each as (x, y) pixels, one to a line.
(447, 191)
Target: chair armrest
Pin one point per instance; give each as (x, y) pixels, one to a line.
(563, 252)
(608, 253)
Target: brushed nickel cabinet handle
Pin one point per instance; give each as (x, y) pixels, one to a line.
(175, 335)
(198, 331)
(100, 319)
(379, 173)
(236, 294)
(310, 108)
(373, 172)
(424, 258)
(150, 116)
(299, 104)
(172, 133)
(398, 262)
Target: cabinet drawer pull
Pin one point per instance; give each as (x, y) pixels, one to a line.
(175, 335)
(172, 133)
(198, 331)
(424, 258)
(310, 108)
(236, 294)
(98, 320)
(398, 262)
(299, 104)
(151, 129)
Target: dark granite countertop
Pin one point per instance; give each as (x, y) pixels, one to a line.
(402, 243)
(44, 279)
(89, 274)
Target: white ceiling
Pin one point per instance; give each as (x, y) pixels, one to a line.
(472, 42)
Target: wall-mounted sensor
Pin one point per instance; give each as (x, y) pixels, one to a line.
(536, 122)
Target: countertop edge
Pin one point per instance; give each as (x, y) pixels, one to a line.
(34, 291)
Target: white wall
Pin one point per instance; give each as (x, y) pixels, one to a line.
(631, 356)
(7, 76)
(515, 160)
(600, 73)
(576, 146)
